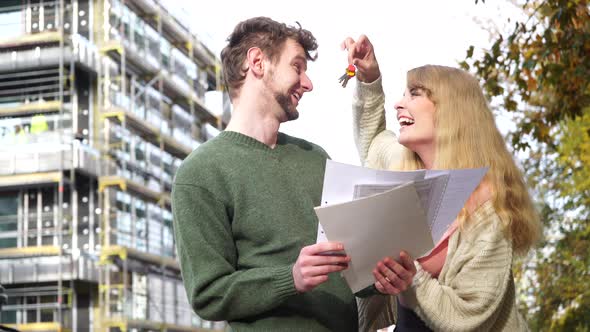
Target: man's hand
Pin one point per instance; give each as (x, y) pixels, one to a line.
(313, 265)
(392, 277)
(362, 55)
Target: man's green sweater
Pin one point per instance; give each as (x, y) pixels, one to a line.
(242, 213)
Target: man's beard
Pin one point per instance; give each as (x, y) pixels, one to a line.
(284, 100)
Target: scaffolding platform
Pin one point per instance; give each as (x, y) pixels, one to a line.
(31, 108)
(48, 37)
(148, 131)
(175, 31)
(30, 179)
(25, 252)
(129, 253)
(182, 94)
(126, 184)
(39, 327)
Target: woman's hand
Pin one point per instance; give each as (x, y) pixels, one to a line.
(362, 55)
(392, 277)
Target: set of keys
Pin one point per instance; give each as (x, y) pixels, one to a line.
(350, 72)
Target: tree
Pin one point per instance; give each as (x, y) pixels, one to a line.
(539, 72)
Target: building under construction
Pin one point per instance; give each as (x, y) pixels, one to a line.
(100, 101)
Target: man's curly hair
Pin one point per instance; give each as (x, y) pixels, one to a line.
(266, 34)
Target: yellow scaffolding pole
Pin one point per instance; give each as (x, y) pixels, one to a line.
(111, 181)
(31, 38)
(39, 327)
(111, 46)
(48, 106)
(30, 178)
(29, 251)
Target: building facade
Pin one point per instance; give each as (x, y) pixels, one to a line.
(100, 101)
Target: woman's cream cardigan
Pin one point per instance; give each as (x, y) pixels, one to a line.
(475, 289)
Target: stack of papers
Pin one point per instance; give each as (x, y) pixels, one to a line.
(377, 213)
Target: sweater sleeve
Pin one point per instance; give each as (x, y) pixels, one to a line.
(377, 147)
(471, 296)
(208, 259)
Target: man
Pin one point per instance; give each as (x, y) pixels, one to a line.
(243, 202)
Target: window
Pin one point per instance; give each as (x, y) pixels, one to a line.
(125, 19)
(12, 25)
(8, 219)
(31, 316)
(138, 33)
(140, 225)
(153, 44)
(33, 306)
(8, 243)
(139, 149)
(140, 208)
(182, 65)
(115, 20)
(8, 211)
(168, 233)
(165, 52)
(48, 299)
(47, 315)
(8, 317)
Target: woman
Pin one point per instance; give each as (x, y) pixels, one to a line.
(466, 283)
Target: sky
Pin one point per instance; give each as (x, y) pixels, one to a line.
(405, 34)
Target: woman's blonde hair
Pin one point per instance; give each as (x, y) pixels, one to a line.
(467, 137)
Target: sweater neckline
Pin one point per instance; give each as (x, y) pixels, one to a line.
(240, 138)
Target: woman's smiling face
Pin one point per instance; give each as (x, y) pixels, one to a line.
(415, 114)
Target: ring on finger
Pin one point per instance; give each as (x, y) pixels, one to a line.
(389, 281)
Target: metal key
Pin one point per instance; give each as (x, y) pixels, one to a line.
(350, 72)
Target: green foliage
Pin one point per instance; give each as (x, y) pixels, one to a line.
(544, 61)
(540, 73)
(574, 154)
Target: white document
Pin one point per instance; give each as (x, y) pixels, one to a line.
(396, 222)
(355, 199)
(452, 196)
(443, 193)
(340, 181)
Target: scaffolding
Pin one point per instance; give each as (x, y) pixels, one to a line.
(100, 100)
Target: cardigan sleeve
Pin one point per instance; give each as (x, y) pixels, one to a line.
(377, 147)
(469, 294)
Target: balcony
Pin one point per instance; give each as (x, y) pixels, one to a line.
(147, 54)
(130, 253)
(42, 162)
(174, 29)
(41, 264)
(39, 23)
(133, 186)
(148, 131)
(78, 49)
(174, 86)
